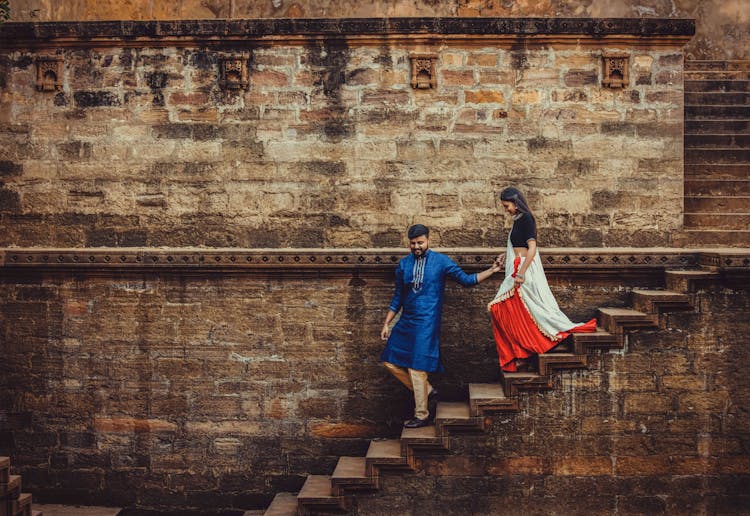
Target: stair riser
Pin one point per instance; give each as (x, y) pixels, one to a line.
(716, 86)
(739, 141)
(618, 326)
(717, 156)
(705, 221)
(717, 127)
(723, 112)
(702, 65)
(714, 238)
(717, 98)
(709, 187)
(715, 171)
(723, 205)
(688, 284)
(658, 307)
(717, 75)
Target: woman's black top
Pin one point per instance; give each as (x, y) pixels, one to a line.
(524, 229)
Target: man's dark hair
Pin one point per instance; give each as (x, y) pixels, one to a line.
(418, 230)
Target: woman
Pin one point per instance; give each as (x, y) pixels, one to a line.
(525, 316)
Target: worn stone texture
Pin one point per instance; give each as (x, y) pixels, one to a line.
(331, 147)
(722, 30)
(205, 391)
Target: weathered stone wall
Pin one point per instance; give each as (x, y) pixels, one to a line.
(331, 147)
(723, 26)
(210, 390)
(661, 428)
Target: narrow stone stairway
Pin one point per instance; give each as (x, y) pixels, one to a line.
(13, 502)
(717, 153)
(336, 493)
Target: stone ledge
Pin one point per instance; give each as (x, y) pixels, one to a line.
(578, 260)
(228, 32)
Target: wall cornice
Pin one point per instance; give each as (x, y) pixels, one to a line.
(636, 32)
(578, 261)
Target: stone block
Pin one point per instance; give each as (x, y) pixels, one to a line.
(484, 97)
(642, 466)
(582, 466)
(525, 465)
(451, 78)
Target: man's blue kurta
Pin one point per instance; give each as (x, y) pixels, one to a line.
(414, 339)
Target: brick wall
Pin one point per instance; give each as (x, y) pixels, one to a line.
(218, 390)
(331, 147)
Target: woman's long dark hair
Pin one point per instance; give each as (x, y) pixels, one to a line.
(515, 196)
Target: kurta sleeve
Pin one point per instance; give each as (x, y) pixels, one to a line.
(398, 300)
(457, 273)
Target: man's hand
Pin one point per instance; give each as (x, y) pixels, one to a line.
(385, 332)
(500, 259)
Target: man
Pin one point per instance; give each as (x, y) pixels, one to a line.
(413, 349)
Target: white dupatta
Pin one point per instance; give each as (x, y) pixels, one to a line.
(535, 295)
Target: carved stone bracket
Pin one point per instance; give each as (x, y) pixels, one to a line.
(49, 73)
(423, 71)
(616, 70)
(233, 73)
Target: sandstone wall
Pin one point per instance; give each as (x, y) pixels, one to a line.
(331, 146)
(723, 27)
(659, 429)
(206, 390)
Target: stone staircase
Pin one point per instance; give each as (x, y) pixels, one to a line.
(717, 153)
(13, 502)
(336, 493)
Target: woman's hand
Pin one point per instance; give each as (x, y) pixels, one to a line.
(519, 279)
(385, 332)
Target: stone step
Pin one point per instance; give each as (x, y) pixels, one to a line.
(733, 98)
(425, 437)
(620, 320)
(717, 126)
(514, 383)
(4, 469)
(548, 362)
(703, 111)
(717, 204)
(713, 238)
(717, 171)
(707, 65)
(600, 339)
(20, 506)
(489, 397)
(717, 220)
(689, 280)
(732, 141)
(283, 504)
(701, 85)
(717, 75)
(717, 155)
(11, 488)
(456, 415)
(94, 510)
(351, 474)
(659, 301)
(317, 493)
(385, 453)
(728, 187)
